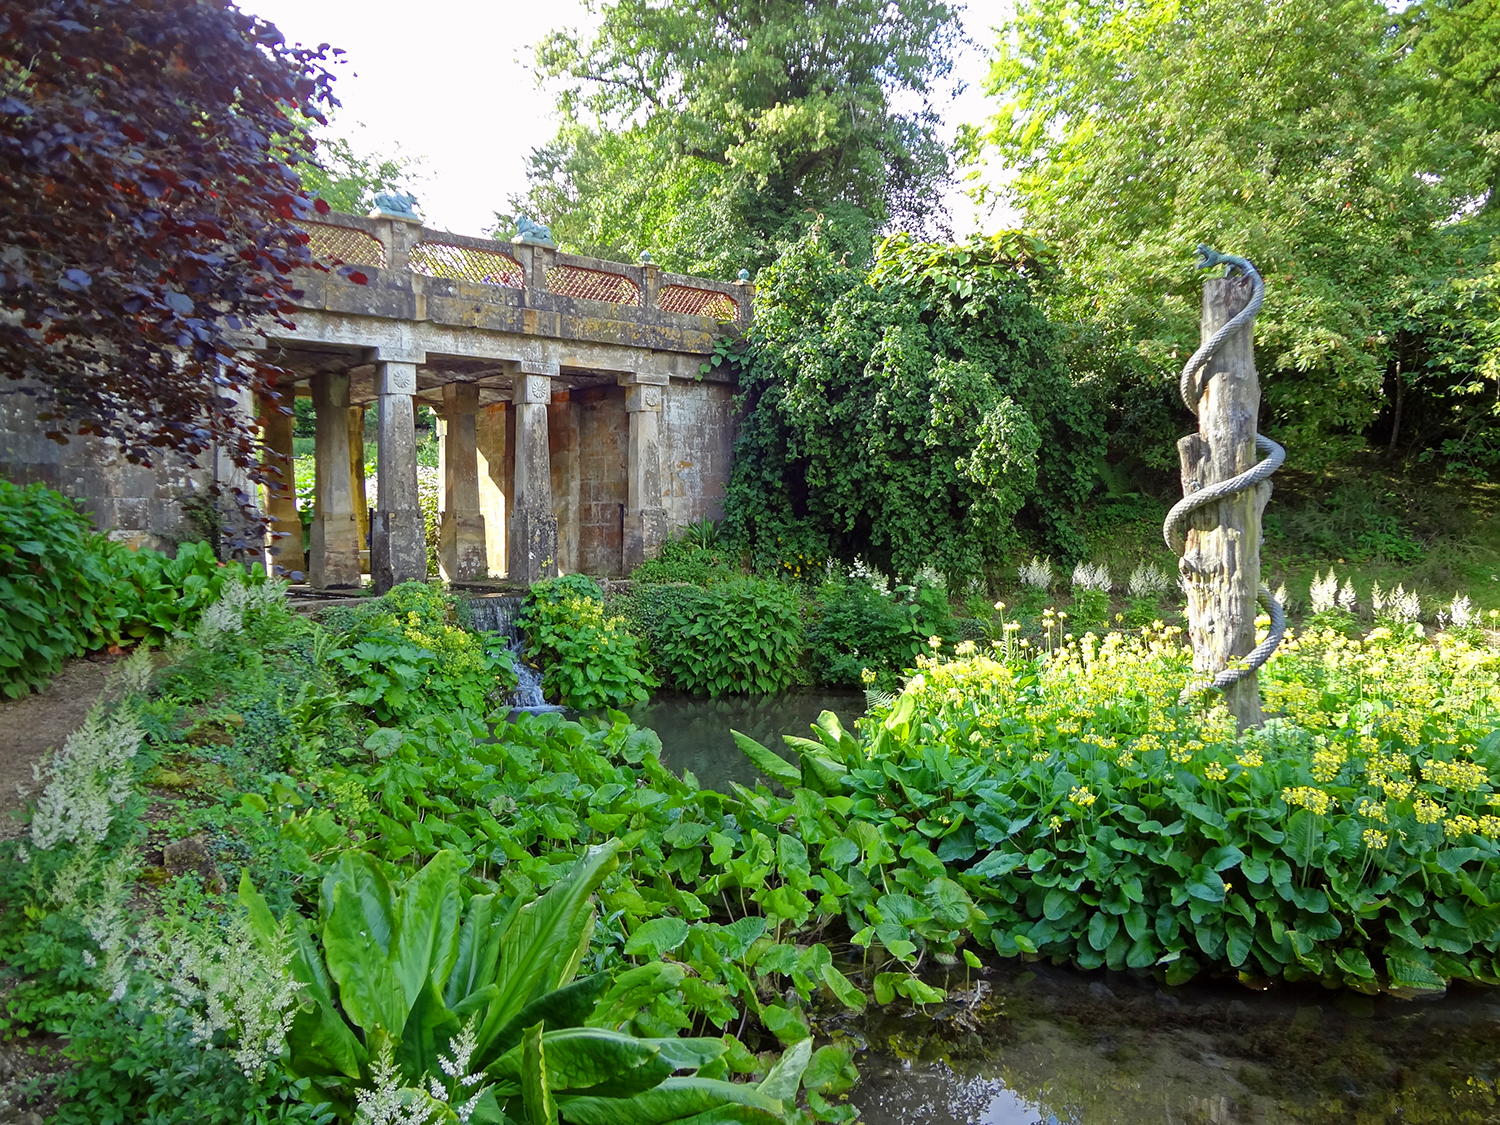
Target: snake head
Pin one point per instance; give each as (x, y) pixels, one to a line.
(1208, 257)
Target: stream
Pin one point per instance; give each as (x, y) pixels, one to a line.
(1035, 1044)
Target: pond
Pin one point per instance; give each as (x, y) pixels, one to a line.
(695, 736)
(1038, 1045)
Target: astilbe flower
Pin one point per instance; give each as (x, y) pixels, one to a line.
(1037, 573)
(1396, 605)
(1323, 594)
(1462, 613)
(237, 600)
(1346, 598)
(87, 782)
(1092, 576)
(388, 1102)
(1147, 580)
(228, 982)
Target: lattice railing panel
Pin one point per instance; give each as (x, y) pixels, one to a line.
(334, 245)
(466, 263)
(593, 285)
(698, 302)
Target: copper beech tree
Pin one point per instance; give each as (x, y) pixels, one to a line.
(149, 191)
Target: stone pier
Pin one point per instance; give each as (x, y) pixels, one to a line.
(284, 542)
(533, 525)
(333, 555)
(398, 547)
(462, 556)
(645, 516)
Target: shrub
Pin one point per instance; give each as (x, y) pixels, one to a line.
(852, 627)
(741, 636)
(55, 585)
(588, 659)
(405, 654)
(66, 589)
(693, 558)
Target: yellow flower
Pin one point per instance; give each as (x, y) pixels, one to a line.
(1308, 798)
(934, 642)
(1460, 825)
(1465, 777)
(1251, 759)
(1215, 771)
(1375, 839)
(1428, 811)
(1081, 796)
(867, 675)
(966, 648)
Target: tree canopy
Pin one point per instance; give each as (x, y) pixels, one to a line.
(149, 178)
(708, 133)
(1334, 143)
(909, 415)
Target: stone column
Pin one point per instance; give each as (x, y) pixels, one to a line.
(492, 449)
(284, 541)
(533, 527)
(398, 547)
(563, 441)
(645, 516)
(357, 478)
(333, 558)
(461, 540)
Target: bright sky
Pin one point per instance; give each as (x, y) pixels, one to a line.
(449, 81)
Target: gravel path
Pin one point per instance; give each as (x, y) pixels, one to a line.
(42, 721)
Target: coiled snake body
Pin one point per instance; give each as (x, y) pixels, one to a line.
(1192, 386)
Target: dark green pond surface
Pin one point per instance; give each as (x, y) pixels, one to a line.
(695, 734)
(1040, 1045)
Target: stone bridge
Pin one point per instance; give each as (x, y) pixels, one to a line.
(577, 428)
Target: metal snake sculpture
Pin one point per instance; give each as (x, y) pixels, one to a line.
(1192, 386)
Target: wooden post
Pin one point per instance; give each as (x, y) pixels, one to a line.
(1221, 566)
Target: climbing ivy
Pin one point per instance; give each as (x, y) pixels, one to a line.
(913, 414)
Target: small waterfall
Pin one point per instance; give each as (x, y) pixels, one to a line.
(497, 613)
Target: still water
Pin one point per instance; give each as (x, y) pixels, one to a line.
(1037, 1045)
(695, 734)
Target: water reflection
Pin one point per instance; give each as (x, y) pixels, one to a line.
(1045, 1046)
(695, 732)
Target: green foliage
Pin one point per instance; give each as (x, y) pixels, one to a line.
(694, 558)
(54, 584)
(909, 416)
(741, 636)
(67, 589)
(405, 655)
(348, 181)
(1346, 841)
(588, 660)
(414, 971)
(853, 627)
(1325, 142)
(709, 135)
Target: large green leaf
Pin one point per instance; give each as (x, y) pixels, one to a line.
(478, 948)
(542, 948)
(658, 936)
(785, 1077)
(634, 989)
(359, 873)
(536, 1091)
(674, 1099)
(569, 1006)
(592, 1060)
(369, 989)
(770, 763)
(425, 945)
(430, 1027)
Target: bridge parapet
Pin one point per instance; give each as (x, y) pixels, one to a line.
(402, 270)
